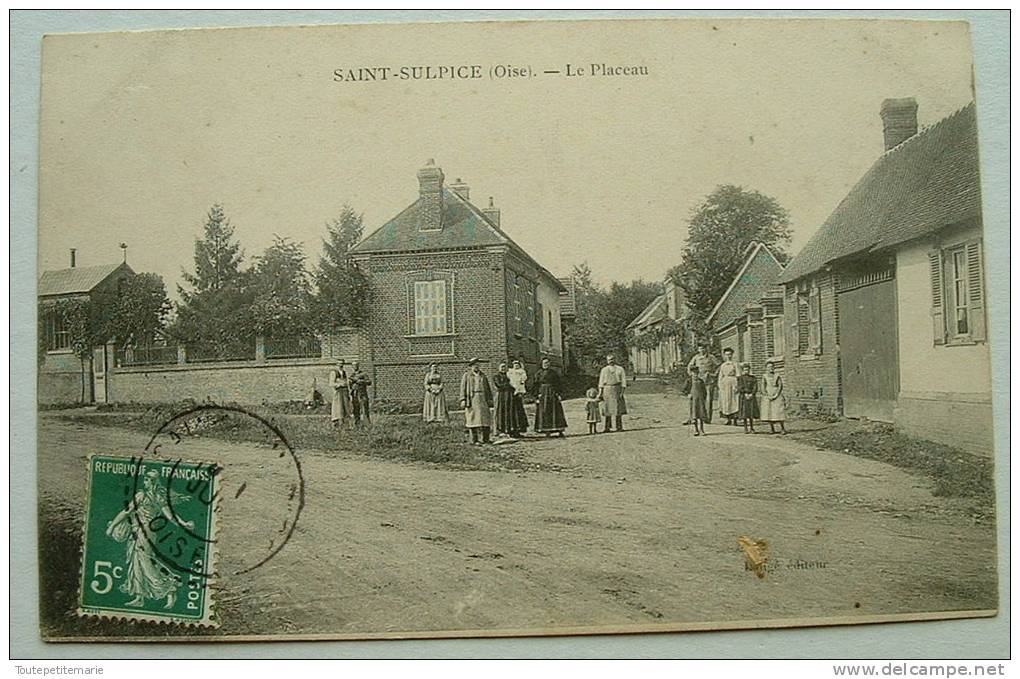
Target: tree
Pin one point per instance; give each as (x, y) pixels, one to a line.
(218, 256)
(622, 304)
(602, 316)
(721, 228)
(341, 290)
(216, 311)
(281, 290)
(139, 310)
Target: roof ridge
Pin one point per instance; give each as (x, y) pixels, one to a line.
(91, 267)
(478, 213)
(905, 188)
(748, 258)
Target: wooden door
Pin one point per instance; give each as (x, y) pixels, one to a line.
(99, 373)
(869, 350)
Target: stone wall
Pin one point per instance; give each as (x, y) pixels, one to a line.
(246, 382)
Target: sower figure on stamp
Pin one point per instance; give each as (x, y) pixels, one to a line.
(612, 383)
(476, 399)
(360, 381)
(145, 576)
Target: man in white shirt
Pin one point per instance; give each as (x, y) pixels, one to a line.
(612, 384)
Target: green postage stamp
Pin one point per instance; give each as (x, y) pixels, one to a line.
(149, 540)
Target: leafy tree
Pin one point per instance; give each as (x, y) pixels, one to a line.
(622, 304)
(603, 316)
(341, 290)
(281, 290)
(139, 310)
(721, 228)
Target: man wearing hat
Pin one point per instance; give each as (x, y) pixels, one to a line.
(476, 399)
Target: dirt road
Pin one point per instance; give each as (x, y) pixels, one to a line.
(632, 528)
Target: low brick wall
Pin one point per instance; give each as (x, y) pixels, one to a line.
(959, 420)
(60, 377)
(242, 382)
(60, 387)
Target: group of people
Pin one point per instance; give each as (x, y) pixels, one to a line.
(743, 398)
(498, 403)
(350, 395)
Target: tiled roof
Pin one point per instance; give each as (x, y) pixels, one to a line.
(756, 277)
(76, 280)
(928, 182)
(653, 313)
(568, 298)
(464, 226)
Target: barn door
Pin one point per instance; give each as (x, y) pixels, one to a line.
(99, 373)
(869, 362)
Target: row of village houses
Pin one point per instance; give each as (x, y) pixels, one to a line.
(881, 315)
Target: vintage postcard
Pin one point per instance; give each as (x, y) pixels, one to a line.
(511, 328)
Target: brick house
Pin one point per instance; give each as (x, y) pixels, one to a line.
(748, 318)
(61, 376)
(448, 283)
(885, 309)
(669, 308)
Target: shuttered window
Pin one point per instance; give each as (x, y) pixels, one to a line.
(778, 343)
(815, 315)
(539, 321)
(430, 307)
(957, 294)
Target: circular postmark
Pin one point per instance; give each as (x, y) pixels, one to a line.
(210, 459)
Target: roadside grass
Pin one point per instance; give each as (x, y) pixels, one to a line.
(954, 473)
(391, 437)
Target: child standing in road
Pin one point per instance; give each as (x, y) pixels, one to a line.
(699, 405)
(591, 406)
(747, 389)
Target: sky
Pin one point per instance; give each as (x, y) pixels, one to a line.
(142, 132)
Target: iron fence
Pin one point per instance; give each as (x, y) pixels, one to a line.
(207, 353)
(146, 355)
(293, 347)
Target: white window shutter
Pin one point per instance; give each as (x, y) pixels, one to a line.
(976, 291)
(938, 310)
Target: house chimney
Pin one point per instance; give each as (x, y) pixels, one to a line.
(461, 189)
(73, 251)
(123, 250)
(492, 212)
(899, 121)
(430, 185)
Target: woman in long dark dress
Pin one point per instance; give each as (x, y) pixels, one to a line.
(747, 388)
(508, 421)
(549, 417)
